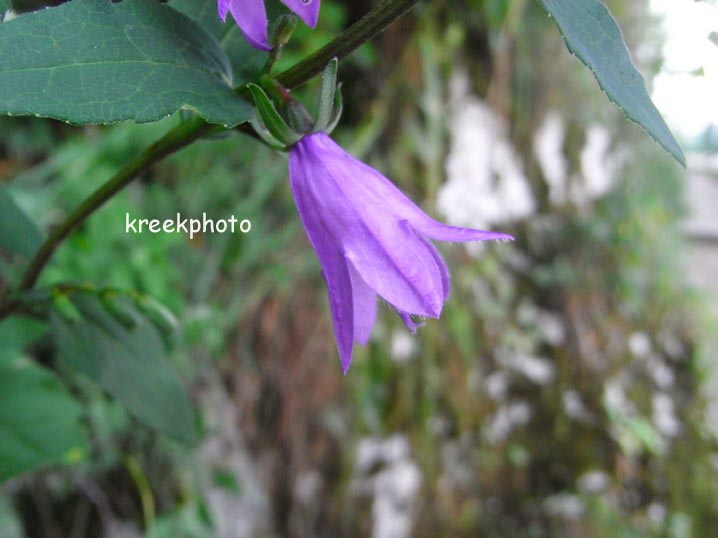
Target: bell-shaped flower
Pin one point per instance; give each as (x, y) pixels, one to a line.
(370, 239)
(251, 17)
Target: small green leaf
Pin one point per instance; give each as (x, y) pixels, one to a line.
(94, 61)
(128, 361)
(162, 318)
(17, 232)
(593, 36)
(39, 420)
(115, 305)
(64, 307)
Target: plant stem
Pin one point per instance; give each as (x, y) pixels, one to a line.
(173, 141)
(181, 136)
(368, 27)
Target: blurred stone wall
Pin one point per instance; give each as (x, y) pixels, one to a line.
(701, 223)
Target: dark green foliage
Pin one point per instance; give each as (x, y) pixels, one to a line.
(18, 234)
(93, 61)
(109, 341)
(40, 422)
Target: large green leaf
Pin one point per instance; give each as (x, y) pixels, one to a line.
(92, 61)
(125, 354)
(39, 420)
(17, 232)
(593, 36)
(17, 332)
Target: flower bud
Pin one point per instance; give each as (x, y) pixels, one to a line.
(284, 29)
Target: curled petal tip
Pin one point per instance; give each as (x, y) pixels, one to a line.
(307, 10)
(443, 232)
(251, 17)
(222, 9)
(410, 323)
(260, 46)
(435, 311)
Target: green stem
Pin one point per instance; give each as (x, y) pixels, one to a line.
(368, 27)
(143, 488)
(176, 139)
(181, 136)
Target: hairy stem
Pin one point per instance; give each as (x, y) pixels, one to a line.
(183, 135)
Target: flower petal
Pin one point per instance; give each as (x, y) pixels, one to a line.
(388, 256)
(339, 288)
(223, 9)
(251, 17)
(397, 265)
(443, 270)
(335, 268)
(364, 303)
(443, 232)
(374, 189)
(307, 10)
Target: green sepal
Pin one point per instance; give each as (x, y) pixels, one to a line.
(326, 96)
(272, 120)
(264, 134)
(337, 113)
(297, 117)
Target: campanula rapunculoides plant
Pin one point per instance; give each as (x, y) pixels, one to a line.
(251, 17)
(105, 62)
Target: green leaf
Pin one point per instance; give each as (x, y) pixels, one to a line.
(4, 6)
(18, 233)
(17, 332)
(39, 420)
(128, 361)
(92, 61)
(593, 36)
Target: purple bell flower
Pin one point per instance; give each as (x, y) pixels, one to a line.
(251, 17)
(370, 239)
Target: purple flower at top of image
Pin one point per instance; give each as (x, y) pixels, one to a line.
(370, 240)
(251, 17)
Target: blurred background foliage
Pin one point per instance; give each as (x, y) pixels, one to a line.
(559, 395)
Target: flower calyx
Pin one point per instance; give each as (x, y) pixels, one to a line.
(281, 121)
